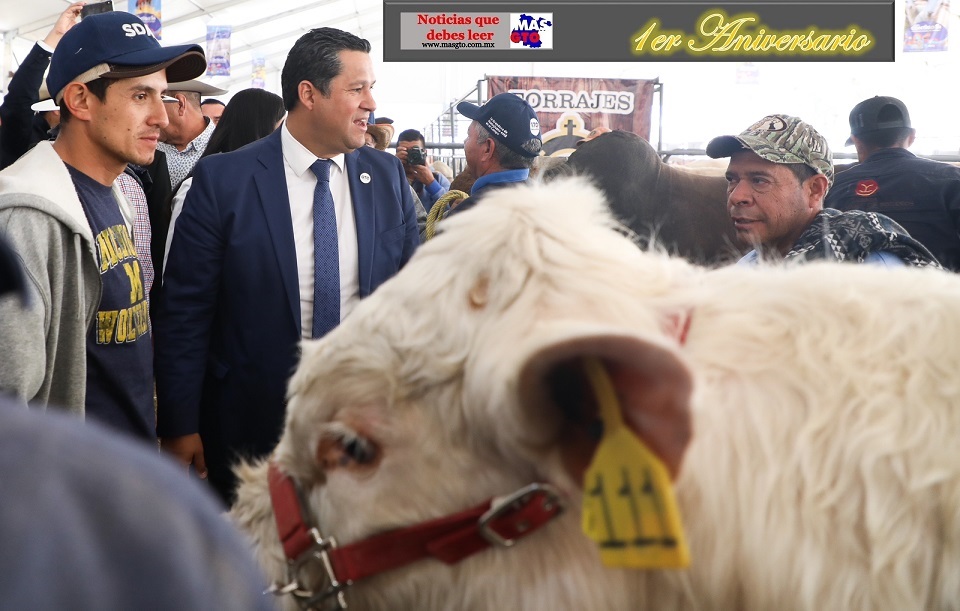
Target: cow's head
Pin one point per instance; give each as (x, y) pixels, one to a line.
(459, 379)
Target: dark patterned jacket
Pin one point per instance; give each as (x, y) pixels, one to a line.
(920, 194)
(855, 235)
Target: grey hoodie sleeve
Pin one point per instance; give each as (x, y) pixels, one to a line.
(43, 342)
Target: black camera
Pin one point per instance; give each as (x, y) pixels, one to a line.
(415, 156)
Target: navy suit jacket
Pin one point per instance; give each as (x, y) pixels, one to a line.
(227, 330)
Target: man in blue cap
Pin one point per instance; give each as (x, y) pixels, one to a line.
(502, 142)
(85, 342)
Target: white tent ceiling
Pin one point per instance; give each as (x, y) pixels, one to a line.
(701, 100)
(263, 27)
(268, 28)
(413, 94)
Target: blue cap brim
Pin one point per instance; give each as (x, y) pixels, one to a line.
(470, 111)
(182, 63)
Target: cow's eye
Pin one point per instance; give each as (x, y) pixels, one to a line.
(359, 450)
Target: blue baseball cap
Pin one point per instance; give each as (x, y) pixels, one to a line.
(117, 45)
(510, 120)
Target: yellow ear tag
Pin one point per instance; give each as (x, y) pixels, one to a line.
(628, 505)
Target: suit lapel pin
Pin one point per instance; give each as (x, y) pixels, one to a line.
(364, 178)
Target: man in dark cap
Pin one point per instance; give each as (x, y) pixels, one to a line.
(85, 343)
(921, 194)
(502, 142)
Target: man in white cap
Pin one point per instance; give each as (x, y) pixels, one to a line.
(84, 344)
(186, 136)
(182, 143)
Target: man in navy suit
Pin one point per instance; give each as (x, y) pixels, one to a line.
(239, 286)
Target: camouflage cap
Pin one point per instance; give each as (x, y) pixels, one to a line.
(780, 139)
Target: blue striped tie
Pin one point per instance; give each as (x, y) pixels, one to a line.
(326, 254)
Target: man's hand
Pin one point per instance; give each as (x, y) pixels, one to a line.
(188, 450)
(67, 20)
(402, 155)
(421, 173)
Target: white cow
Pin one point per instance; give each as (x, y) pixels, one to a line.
(815, 412)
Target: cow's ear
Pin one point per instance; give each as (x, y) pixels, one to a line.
(341, 447)
(655, 404)
(652, 384)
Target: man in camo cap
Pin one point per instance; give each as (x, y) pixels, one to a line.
(779, 173)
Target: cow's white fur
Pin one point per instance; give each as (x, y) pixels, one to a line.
(823, 472)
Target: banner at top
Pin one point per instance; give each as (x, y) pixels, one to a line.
(218, 50)
(149, 11)
(537, 30)
(569, 107)
(926, 24)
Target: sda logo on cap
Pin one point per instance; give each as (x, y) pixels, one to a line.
(136, 29)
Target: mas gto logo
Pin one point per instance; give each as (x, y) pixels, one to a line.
(531, 31)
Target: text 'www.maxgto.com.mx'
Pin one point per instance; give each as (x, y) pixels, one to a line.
(458, 45)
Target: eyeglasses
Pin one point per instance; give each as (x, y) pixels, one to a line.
(167, 98)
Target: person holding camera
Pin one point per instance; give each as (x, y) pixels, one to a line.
(427, 184)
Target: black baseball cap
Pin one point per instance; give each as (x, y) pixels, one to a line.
(117, 45)
(877, 114)
(510, 120)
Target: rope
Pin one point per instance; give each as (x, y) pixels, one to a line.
(447, 201)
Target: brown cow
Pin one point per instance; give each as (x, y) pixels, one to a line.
(684, 211)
